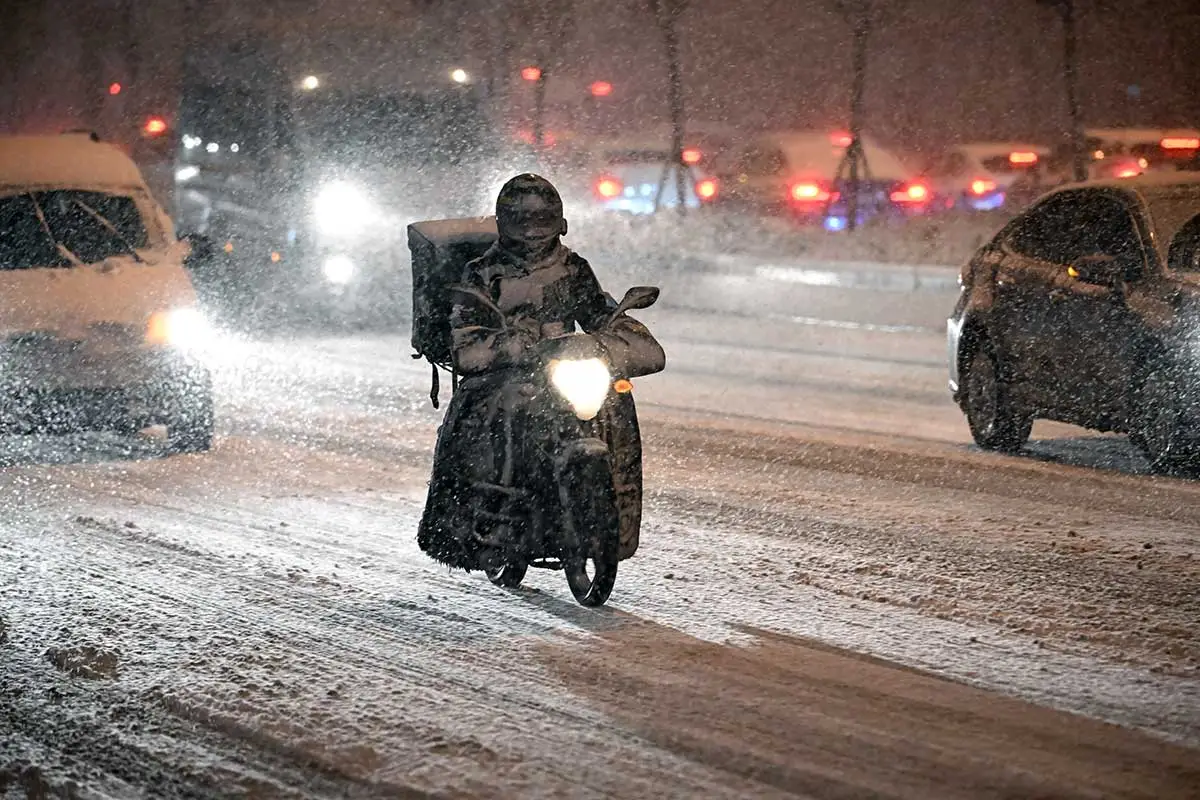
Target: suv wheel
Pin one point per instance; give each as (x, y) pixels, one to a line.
(1158, 430)
(996, 423)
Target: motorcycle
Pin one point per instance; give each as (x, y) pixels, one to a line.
(579, 412)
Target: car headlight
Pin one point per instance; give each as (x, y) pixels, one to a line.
(341, 209)
(185, 328)
(338, 269)
(583, 383)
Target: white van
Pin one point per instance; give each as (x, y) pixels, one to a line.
(98, 317)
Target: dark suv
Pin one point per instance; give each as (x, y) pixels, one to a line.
(1086, 309)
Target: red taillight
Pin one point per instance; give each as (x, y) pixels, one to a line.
(601, 89)
(155, 126)
(1130, 171)
(982, 186)
(706, 189)
(114, 88)
(809, 192)
(608, 188)
(691, 155)
(1024, 158)
(841, 139)
(912, 194)
(531, 74)
(1180, 143)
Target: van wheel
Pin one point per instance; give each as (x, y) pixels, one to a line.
(996, 422)
(190, 421)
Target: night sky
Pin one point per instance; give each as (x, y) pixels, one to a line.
(938, 70)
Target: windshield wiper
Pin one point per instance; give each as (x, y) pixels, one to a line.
(59, 246)
(108, 226)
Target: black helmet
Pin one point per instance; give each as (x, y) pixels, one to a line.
(529, 216)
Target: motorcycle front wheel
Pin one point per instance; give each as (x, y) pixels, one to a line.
(591, 525)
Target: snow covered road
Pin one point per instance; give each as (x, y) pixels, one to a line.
(836, 596)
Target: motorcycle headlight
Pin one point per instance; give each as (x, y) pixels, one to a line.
(583, 383)
(185, 328)
(341, 209)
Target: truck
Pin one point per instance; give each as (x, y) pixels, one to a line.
(300, 199)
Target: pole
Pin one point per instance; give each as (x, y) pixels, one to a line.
(862, 30)
(1071, 73)
(675, 90)
(539, 110)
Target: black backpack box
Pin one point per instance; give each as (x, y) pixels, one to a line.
(440, 250)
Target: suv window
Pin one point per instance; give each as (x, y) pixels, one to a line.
(763, 161)
(951, 165)
(93, 226)
(1040, 233)
(1075, 224)
(1184, 254)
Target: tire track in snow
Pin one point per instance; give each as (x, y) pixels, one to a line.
(364, 645)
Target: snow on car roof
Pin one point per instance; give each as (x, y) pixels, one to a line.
(653, 139)
(71, 161)
(814, 153)
(1135, 135)
(985, 149)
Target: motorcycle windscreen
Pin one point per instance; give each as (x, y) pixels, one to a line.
(618, 426)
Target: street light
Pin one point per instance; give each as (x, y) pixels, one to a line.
(459, 75)
(310, 83)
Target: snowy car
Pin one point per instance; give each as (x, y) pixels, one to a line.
(977, 176)
(1116, 153)
(633, 174)
(804, 175)
(98, 318)
(1086, 309)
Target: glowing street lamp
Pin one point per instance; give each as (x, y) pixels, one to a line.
(460, 76)
(310, 83)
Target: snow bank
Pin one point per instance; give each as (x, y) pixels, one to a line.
(946, 240)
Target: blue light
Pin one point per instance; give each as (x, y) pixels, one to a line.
(989, 202)
(835, 223)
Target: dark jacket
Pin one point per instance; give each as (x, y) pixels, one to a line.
(539, 300)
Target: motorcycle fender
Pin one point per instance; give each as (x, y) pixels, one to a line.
(585, 460)
(579, 450)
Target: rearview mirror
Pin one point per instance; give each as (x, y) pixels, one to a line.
(637, 297)
(1096, 269)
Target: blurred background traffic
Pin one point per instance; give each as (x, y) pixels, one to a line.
(292, 141)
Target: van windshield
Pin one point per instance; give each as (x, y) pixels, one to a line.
(37, 227)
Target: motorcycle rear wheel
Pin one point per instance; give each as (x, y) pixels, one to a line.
(508, 575)
(592, 587)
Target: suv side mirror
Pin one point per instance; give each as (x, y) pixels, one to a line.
(202, 250)
(1097, 269)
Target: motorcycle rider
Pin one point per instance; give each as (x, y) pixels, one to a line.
(486, 444)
